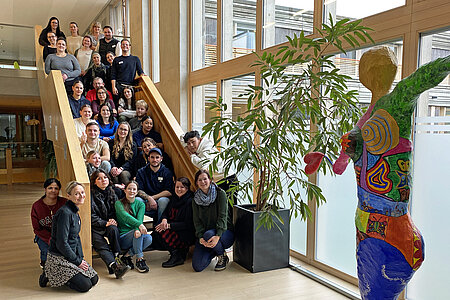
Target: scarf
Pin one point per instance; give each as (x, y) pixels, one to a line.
(203, 199)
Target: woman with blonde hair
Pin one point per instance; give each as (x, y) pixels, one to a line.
(123, 154)
(65, 264)
(96, 34)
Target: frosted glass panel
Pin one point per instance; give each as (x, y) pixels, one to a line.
(335, 237)
(430, 205)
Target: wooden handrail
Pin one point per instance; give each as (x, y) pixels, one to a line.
(167, 126)
(60, 129)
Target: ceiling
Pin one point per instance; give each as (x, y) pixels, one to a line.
(15, 41)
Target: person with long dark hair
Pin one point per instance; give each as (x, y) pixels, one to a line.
(147, 130)
(123, 153)
(102, 97)
(104, 223)
(175, 233)
(210, 216)
(65, 263)
(107, 123)
(127, 105)
(42, 213)
(133, 233)
(52, 26)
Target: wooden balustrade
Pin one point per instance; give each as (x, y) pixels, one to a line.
(60, 130)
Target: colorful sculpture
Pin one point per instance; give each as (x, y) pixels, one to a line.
(389, 247)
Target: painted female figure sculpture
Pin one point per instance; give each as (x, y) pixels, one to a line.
(389, 247)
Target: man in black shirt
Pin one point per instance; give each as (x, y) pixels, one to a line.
(124, 68)
(108, 44)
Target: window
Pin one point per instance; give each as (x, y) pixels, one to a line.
(430, 176)
(200, 108)
(356, 9)
(285, 18)
(238, 28)
(204, 33)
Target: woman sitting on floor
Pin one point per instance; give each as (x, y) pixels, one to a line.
(175, 233)
(104, 224)
(65, 264)
(133, 233)
(210, 211)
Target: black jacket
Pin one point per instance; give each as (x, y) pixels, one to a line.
(181, 222)
(65, 238)
(102, 208)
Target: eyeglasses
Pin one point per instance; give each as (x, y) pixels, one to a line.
(101, 93)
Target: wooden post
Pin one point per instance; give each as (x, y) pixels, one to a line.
(9, 166)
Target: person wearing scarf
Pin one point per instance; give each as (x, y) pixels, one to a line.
(175, 233)
(97, 69)
(211, 222)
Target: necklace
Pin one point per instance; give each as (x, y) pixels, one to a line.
(51, 207)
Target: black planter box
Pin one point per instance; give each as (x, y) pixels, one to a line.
(261, 250)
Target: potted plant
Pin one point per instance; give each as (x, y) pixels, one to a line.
(287, 116)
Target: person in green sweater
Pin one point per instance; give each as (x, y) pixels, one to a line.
(210, 216)
(133, 233)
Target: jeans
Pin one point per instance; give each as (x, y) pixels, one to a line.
(43, 246)
(202, 255)
(136, 245)
(156, 214)
(106, 166)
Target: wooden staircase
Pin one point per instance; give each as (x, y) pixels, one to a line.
(60, 130)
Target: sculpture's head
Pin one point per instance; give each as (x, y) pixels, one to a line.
(377, 69)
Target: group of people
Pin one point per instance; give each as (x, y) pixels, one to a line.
(130, 174)
(94, 64)
(182, 218)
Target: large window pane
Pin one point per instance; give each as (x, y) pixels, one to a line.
(231, 93)
(17, 47)
(429, 203)
(204, 33)
(285, 18)
(200, 108)
(335, 238)
(357, 9)
(238, 28)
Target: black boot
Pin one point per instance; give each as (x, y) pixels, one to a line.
(119, 269)
(175, 259)
(43, 280)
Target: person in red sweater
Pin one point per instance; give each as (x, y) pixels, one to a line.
(42, 213)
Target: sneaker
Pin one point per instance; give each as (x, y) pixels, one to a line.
(43, 280)
(174, 260)
(222, 262)
(126, 260)
(119, 269)
(141, 266)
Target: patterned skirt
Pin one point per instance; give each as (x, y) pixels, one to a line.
(59, 270)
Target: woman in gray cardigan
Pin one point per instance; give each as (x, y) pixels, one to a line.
(66, 63)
